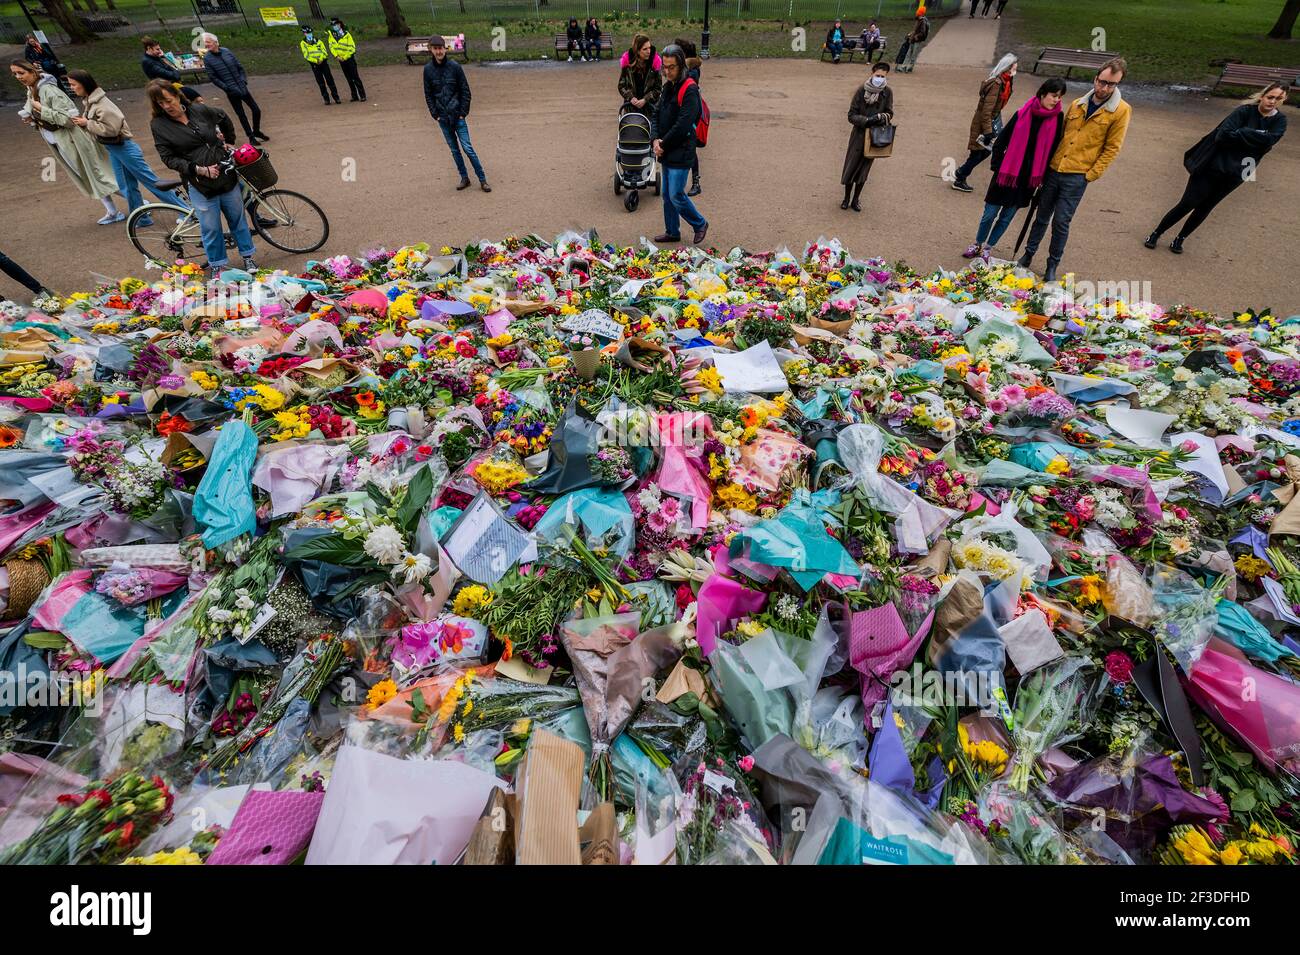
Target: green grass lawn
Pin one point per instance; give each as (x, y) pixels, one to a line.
(115, 60)
(1164, 41)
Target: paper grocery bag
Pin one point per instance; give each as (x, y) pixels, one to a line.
(598, 837)
(546, 799)
(493, 839)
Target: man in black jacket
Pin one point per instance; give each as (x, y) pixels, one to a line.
(446, 93)
(674, 145)
(155, 66)
(227, 74)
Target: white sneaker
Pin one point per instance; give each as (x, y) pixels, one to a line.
(112, 218)
(570, 59)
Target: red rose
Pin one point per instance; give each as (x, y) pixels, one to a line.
(1119, 666)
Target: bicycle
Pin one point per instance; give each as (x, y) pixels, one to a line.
(165, 232)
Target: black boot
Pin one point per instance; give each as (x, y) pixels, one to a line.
(857, 194)
(1176, 247)
(695, 187)
(1152, 240)
(847, 191)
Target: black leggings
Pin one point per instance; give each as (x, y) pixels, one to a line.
(1204, 191)
(19, 274)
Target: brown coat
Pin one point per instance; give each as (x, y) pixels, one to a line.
(863, 116)
(988, 109)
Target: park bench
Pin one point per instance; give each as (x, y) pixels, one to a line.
(418, 47)
(562, 44)
(1061, 56)
(853, 47)
(1244, 74)
(103, 22)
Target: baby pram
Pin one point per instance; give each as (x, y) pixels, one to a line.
(634, 162)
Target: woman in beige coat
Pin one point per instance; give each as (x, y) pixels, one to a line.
(49, 110)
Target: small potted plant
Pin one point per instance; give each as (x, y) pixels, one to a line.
(585, 355)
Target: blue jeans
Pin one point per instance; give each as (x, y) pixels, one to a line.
(676, 202)
(457, 137)
(1057, 203)
(132, 171)
(994, 222)
(836, 49)
(209, 211)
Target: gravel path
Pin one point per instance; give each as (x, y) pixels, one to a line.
(546, 135)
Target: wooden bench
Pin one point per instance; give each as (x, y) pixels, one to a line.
(418, 47)
(103, 22)
(1061, 56)
(1244, 74)
(562, 44)
(853, 47)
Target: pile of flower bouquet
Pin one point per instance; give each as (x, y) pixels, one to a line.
(741, 557)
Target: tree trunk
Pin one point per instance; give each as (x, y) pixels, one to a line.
(396, 20)
(94, 8)
(316, 11)
(461, 3)
(67, 20)
(1285, 21)
(76, 5)
(110, 4)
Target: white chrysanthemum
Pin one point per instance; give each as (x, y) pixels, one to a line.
(413, 568)
(385, 544)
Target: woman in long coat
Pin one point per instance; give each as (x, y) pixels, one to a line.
(50, 111)
(873, 105)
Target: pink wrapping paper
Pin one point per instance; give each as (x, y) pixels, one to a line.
(270, 828)
(64, 594)
(721, 602)
(679, 468)
(1258, 707)
(14, 526)
(879, 645)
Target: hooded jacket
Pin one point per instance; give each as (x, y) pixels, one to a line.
(1089, 144)
(446, 90)
(574, 31)
(638, 84)
(225, 71)
(1245, 133)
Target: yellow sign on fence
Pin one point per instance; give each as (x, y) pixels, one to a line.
(279, 16)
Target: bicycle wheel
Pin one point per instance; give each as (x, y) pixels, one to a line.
(299, 226)
(172, 234)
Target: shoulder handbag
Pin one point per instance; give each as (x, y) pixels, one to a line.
(880, 141)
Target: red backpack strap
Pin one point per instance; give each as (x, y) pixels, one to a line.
(681, 90)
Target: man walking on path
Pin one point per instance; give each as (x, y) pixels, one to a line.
(913, 42)
(446, 93)
(1095, 126)
(315, 53)
(227, 74)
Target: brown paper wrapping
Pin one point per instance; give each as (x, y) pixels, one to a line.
(681, 681)
(630, 667)
(804, 334)
(629, 349)
(1287, 520)
(546, 801)
(1126, 595)
(1235, 483)
(935, 562)
(598, 837)
(965, 602)
(493, 839)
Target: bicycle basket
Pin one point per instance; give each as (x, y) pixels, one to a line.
(260, 174)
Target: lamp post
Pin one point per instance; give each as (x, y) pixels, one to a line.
(704, 39)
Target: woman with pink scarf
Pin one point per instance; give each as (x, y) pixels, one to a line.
(1020, 158)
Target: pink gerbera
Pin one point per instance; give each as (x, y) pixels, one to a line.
(670, 509)
(1013, 394)
(658, 522)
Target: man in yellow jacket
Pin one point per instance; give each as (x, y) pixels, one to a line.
(314, 52)
(1095, 125)
(344, 49)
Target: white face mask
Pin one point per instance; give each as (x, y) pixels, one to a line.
(878, 81)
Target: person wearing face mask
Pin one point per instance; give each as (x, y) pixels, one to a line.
(1224, 158)
(1020, 156)
(344, 49)
(987, 121)
(872, 105)
(316, 54)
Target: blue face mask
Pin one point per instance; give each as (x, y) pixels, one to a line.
(310, 37)
(877, 81)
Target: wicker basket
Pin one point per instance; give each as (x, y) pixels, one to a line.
(260, 174)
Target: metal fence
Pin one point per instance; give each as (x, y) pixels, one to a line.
(179, 17)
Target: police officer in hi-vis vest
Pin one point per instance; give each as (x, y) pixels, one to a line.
(315, 53)
(344, 49)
